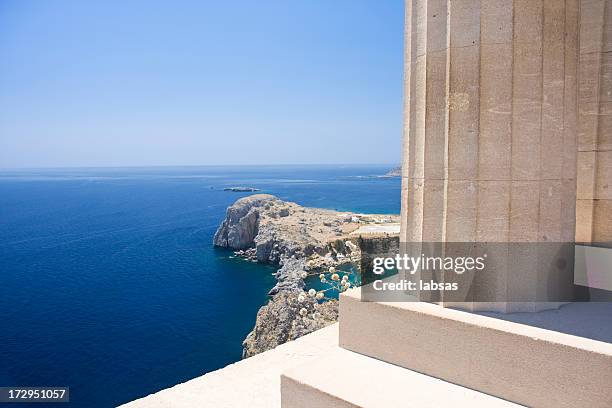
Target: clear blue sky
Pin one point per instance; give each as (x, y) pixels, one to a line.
(113, 83)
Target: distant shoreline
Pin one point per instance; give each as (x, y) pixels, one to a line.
(193, 166)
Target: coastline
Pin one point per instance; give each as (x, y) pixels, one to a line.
(302, 242)
(148, 250)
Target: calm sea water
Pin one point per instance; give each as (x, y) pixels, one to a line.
(109, 281)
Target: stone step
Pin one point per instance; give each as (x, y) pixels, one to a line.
(342, 379)
(528, 365)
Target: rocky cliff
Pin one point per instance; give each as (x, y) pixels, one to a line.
(240, 226)
(301, 241)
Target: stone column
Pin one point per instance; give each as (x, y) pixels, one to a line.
(490, 133)
(594, 205)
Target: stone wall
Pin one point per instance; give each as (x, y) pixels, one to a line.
(594, 194)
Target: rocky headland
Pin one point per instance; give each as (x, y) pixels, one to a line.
(302, 241)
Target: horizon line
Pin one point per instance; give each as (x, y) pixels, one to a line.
(136, 166)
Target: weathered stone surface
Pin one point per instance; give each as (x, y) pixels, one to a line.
(594, 123)
(489, 135)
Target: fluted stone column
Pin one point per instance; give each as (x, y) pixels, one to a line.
(594, 205)
(490, 132)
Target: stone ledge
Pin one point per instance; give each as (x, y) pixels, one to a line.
(254, 382)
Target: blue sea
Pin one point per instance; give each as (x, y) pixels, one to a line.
(109, 281)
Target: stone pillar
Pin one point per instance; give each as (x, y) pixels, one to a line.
(594, 204)
(490, 132)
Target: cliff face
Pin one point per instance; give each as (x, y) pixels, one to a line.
(301, 241)
(277, 228)
(240, 226)
(280, 321)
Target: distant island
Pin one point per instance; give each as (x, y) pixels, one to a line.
(394, 172)
(241, 189)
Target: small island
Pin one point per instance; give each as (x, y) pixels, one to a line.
(394, 172)
(241, 189)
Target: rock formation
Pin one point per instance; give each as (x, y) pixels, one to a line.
(240, 225)
(301, 241)
(280, 321)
